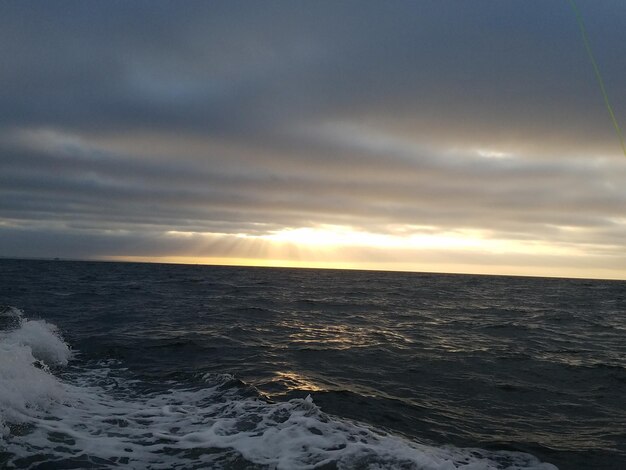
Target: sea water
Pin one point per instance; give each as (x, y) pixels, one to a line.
(106, 365)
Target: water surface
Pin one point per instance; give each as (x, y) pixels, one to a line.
(227, 367)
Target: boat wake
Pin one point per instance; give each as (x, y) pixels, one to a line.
(65, 412)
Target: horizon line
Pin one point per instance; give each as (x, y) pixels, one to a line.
(269, 266)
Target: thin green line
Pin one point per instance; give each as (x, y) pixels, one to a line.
(596, 69)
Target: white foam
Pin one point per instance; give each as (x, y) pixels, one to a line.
(170, 429)
(42, 337)
(43, 340)
(26, 385)
(213, 426)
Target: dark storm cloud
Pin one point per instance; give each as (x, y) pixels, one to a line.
(123, 120)
(240, 67)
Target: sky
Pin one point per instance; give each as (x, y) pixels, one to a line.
(440, 136)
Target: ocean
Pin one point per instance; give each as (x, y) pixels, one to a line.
(107, 365)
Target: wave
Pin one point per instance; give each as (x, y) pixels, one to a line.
(93, 415)
(27, 350)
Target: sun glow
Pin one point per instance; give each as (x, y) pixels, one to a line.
(313, 242)
(332, 236)
(396, 247)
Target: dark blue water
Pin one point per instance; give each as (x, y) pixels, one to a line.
(210, 367)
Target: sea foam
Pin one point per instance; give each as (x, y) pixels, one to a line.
(82, 421)
(27, 349)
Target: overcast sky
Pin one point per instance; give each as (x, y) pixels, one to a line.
(453, 136)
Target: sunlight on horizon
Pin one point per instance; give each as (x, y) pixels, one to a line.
(405, 248)
(340, 237)
(324, 237)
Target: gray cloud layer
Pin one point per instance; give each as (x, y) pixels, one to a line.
(124, 120)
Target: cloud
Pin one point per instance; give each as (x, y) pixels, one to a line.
(123, 123)
(410, 186)
(227, 68)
